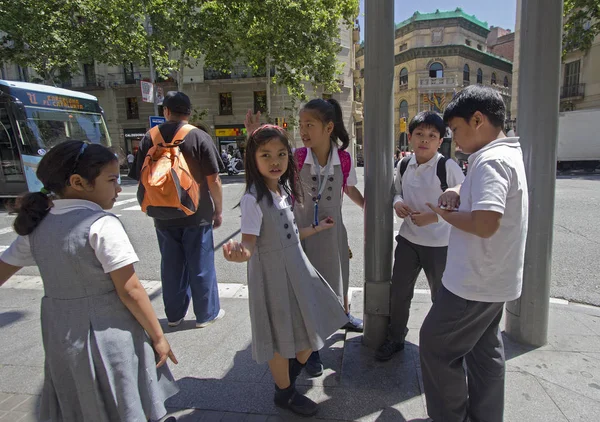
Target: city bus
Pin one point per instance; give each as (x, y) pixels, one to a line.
(33, 119)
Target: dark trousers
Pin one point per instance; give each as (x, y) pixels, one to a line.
(409, 259)
(188, 271)
(457, 332)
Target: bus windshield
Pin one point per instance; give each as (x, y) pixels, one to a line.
(46, 128)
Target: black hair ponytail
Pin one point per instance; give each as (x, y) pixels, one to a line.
(339, 129)
(31, 208)
(331, 111)
(54, 171)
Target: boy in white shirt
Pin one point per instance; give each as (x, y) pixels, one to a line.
(423, 237)
(485, 265)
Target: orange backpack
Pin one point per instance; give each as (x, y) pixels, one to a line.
(167, 188)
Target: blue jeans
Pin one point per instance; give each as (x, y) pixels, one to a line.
(188, 271)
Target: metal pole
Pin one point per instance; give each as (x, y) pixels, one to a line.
(151, 64)
(379, 172)
(268, 64)
(539, 78)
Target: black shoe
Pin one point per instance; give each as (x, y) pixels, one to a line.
(388, 349)
(314, 365)
(295, 369)
(354, 324)
(289, 398)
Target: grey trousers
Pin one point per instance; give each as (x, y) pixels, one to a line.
(409, 259)
(458, 331)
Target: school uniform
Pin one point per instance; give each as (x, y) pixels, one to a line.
(99, 363)
(292, 308)
(419, 248)
(481, 275)
(328, 250)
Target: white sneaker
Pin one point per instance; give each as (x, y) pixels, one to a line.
(176, 323)
(220, 315)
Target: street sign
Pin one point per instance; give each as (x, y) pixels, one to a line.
(156, 120)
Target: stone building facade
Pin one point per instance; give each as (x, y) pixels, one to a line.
(436, 55)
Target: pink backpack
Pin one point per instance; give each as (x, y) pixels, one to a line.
(345, 161)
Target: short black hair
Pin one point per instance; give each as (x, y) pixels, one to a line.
(430, 119)
(178, 103)
(473, 98)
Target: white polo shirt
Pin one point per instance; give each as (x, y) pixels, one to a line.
(107, 237)
(491, 270)
(418, 186)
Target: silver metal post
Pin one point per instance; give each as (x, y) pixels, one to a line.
(151, 64)
(537, 122)
(379, 172)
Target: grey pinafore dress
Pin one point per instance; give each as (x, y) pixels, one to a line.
(327, 250)
(99, 364)
(291, 307)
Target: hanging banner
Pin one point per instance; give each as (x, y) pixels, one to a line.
(147, 92)
(160, 95)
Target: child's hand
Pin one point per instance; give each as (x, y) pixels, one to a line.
(163, 350)
(235, 252)
(252, 121)
(423, 219)
(439, 211)
(402, 210)
(449, 200)
(326, 224)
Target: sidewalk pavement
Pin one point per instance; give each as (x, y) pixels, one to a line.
(220, 382)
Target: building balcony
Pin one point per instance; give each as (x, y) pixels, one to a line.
(572, 92)
(357, 111)
(237, 72)
(448, 82)
(81, 83)
(505, 91)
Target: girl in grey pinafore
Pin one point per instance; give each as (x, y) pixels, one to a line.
(292, 308)
(328, 251)
(100, 366)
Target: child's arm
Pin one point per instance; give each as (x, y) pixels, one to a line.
(402, 210)
(7, 271)
(325, 224)
(134, 297)
(240, 251)
(354, 194)
(480, 223)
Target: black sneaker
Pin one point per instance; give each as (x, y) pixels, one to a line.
(314, 365)
(289, 398)
(388, 349)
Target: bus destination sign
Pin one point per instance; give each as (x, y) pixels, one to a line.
(41, 99)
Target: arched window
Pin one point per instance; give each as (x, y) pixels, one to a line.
(404, 78)
(466, 73)
(404, 109)
(506, 81)
(479, 76)
(494, 78)
(436, 70)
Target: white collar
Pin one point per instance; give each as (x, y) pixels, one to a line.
(61, 206)
(335, 156)
(433, 160)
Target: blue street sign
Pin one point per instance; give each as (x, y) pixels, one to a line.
(156, 120)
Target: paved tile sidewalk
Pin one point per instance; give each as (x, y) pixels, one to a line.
(220, 382)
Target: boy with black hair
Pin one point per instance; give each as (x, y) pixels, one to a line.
(423, 237)
(485, 265)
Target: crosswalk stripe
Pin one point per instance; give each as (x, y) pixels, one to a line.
(126, 201)
(6, 230)
(134, 208)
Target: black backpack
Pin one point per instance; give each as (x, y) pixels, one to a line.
(441, 170)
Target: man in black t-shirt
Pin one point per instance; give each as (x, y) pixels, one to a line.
(186, 244)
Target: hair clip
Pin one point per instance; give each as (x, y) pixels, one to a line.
(45, 191)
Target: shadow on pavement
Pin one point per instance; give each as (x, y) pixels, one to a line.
(10, 317)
